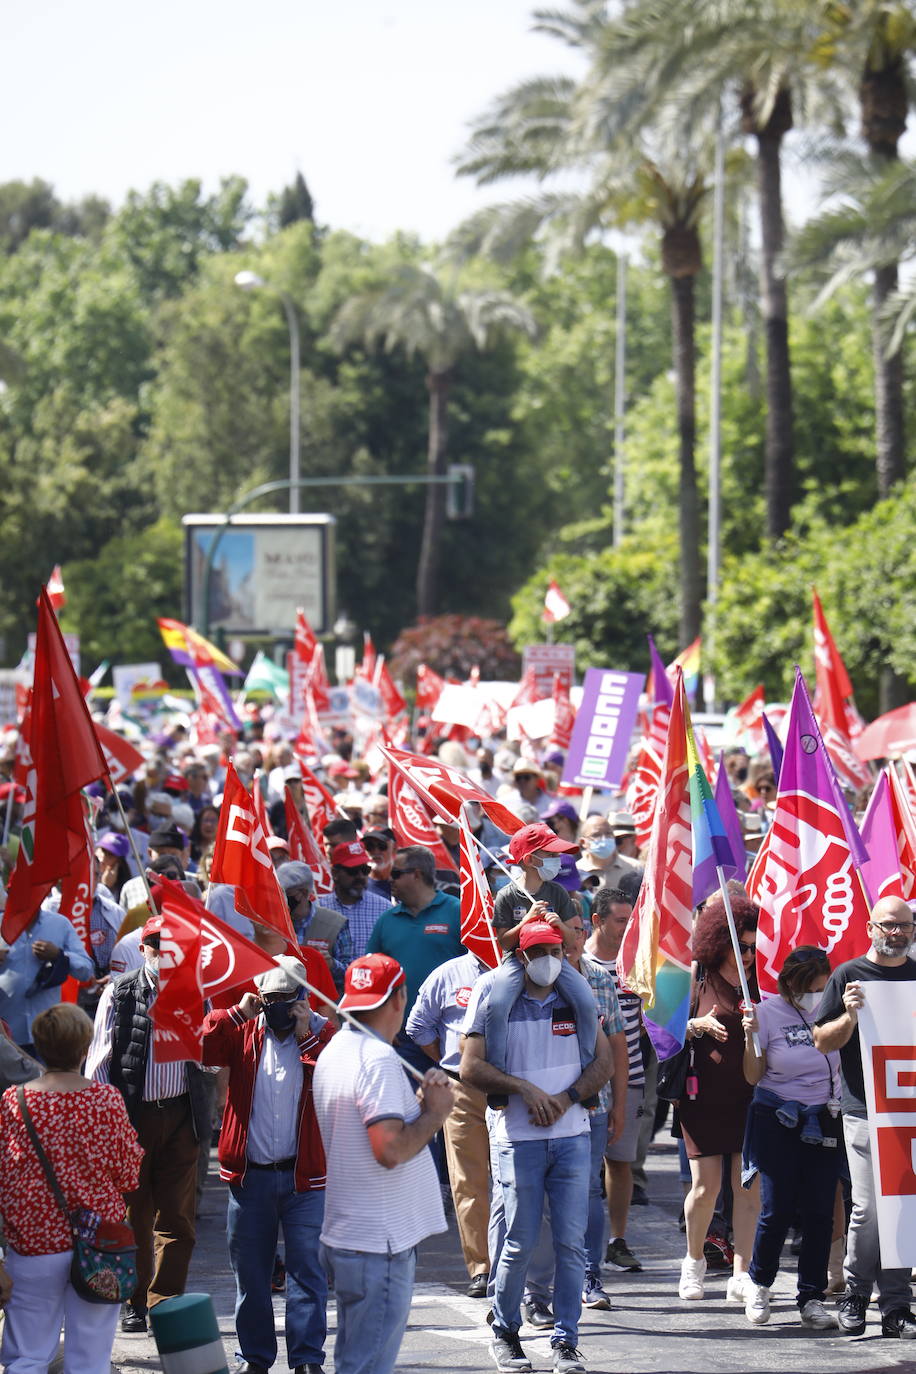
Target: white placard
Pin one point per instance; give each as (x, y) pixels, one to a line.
(887, 1035)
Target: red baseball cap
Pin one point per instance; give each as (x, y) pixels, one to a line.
(538, 933)
(153, 926)
(369, 981)
(531, 838)
(351, 854)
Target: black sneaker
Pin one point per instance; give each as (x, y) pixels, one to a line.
(506, 1350)
(619, 1253)
(278, 1277)
(900, 1324)
(851, 1312)
(537, 1313)
(566, 1359)
(133, 1319)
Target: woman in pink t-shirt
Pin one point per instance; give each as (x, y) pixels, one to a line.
(793, 1137)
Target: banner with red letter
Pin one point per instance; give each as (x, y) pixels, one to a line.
(889, 1069)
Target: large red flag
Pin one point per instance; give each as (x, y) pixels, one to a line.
(445, 789)
(199, 956)
(78, 887)
(477, 934)
(833, 699)
(411, 821)
(242, 859)
(65, 757)
(319, 803)
(318, 682)
(120, 755)
(392, 700)
(303, 847)
(809, 892)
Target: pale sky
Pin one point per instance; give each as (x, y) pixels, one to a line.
(370, 99)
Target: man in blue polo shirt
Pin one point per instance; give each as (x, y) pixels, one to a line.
(422, 931)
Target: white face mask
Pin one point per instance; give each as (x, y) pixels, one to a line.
(549, 866)
(809, 1001)
(152, 966)
(544, 970)
(602, 847)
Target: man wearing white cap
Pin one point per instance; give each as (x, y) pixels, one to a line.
(383, 1193)
(271, 1155)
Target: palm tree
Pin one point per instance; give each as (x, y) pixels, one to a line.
(551, 126)
(431, 313)
(684, 56)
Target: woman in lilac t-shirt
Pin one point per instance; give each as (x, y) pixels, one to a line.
(793, 1137)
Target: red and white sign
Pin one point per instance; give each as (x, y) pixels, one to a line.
(889, 1066)
(545, 661)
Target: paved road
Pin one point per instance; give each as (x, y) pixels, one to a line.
(648, 1330)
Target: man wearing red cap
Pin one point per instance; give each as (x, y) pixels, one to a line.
(350, 869)
(382, 1195)
(541, 1140)
(169, 1109)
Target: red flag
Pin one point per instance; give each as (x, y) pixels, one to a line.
(429, 688)
(556, 607)
(120, 755)
(909, 784)
(242, 859)
(477, 934)
(749, 716)
(446, 789)
(304, 848)
(809, 893)
(78, 887)
(644, 783)
(23, 762)
(833, 698)
(318, 682)
(65, 757)
(528, 690)
(392, 700)
(260, 809)
(367, 667)
(564, 713)
(411, 821)
(319, 803)
(305, 641)
(55, 589)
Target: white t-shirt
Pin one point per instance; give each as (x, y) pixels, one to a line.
(543, 1048)
(358, 1081)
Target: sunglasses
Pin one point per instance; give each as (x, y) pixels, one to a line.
(747, 949)
(401, 872)
(364, 869)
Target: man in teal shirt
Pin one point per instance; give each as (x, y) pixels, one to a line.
(421, 932)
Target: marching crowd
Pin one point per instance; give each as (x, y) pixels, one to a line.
(411, 1073)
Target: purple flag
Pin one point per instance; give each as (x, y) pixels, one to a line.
(774, 747)
(808, 728)
(731, 821)
(662, 690)
(881, 873)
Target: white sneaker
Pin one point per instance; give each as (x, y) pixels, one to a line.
(815, 1314)
(737, 1288)
(693, 1273)
(757, 1303)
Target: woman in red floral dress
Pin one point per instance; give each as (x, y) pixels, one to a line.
(93, 1150)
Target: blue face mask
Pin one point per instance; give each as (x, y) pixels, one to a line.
(602, 847)
(549, 866)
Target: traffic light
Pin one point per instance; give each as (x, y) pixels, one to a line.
(459, 494)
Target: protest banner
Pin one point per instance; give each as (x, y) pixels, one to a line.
(544, 660)
(604, 725)
(889, 1069)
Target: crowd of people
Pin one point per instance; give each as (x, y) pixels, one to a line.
(413, 1077)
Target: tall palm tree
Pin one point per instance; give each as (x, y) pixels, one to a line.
(553, 126)
(678, 54)
(431, 313)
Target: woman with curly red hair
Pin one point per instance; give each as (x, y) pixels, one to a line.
(714, 1107)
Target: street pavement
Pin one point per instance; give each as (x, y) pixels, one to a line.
(647, 1331)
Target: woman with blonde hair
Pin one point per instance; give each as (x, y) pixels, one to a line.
(93, 1151)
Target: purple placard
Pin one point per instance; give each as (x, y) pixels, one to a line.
(597, 755)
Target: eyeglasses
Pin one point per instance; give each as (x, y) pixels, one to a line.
(401, 872)
(364, 869)
(905, 927)
(747, 949)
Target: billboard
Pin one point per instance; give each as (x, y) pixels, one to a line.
(259, 569)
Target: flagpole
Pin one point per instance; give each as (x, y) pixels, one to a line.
(7, 820)
(357, 1025)
(133, 845)
(742, 976)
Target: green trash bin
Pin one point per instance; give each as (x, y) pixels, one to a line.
(187, 1335)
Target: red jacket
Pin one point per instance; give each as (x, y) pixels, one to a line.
(230, 1039)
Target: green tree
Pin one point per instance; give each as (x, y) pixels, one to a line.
(441, 319)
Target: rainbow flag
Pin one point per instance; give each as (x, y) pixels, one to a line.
(688, 660)
(711, 847)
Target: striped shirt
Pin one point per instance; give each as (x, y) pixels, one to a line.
(160, 1081)
(359, 1081)
(609, 1013)
(631, 1009)
(361, 917)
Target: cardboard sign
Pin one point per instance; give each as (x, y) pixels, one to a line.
(547, 659)
(888, 1044)
(600, 741)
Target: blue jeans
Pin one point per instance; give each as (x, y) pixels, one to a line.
(373, 1304)
(529, 1171)
(507, 988)
(539, 1275)
(258, 1207)
(796, 1179)
(595, 1239)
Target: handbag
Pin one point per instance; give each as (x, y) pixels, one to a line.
(104, 1264)
(674, 1072)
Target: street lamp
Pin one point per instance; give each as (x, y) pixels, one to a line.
(250, 281)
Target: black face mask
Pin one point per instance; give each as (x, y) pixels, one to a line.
(279, 1015)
